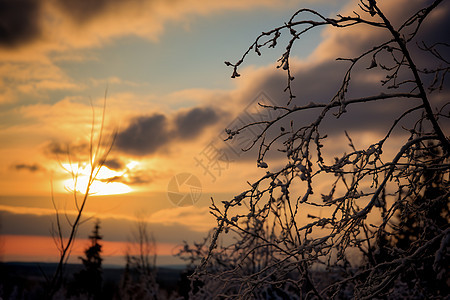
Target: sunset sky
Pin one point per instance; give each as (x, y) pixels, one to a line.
(169, 96)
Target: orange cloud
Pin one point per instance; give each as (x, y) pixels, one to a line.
(33, 78)
(7, 95)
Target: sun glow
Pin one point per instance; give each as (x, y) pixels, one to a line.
(106, 182)
(132, 164)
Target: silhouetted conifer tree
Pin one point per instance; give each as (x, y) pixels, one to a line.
(89, 279)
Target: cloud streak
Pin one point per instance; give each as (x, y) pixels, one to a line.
(171, 225)
(28, 167)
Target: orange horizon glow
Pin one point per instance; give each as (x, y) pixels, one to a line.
(43, 248)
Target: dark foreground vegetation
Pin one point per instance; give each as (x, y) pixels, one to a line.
(26, 281)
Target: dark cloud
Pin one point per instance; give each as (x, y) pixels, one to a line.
(26, 167)
(129, 180)
(319, 84)
(56, 148)
(23, 21)
(19, 22)
(114, 164)
(82, 11)
(147, 135)
(75, 150)
(136, 180)
(112, 179)
(134, 177)
(191, 123)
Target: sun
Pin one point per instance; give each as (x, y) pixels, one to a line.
(105, 183)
